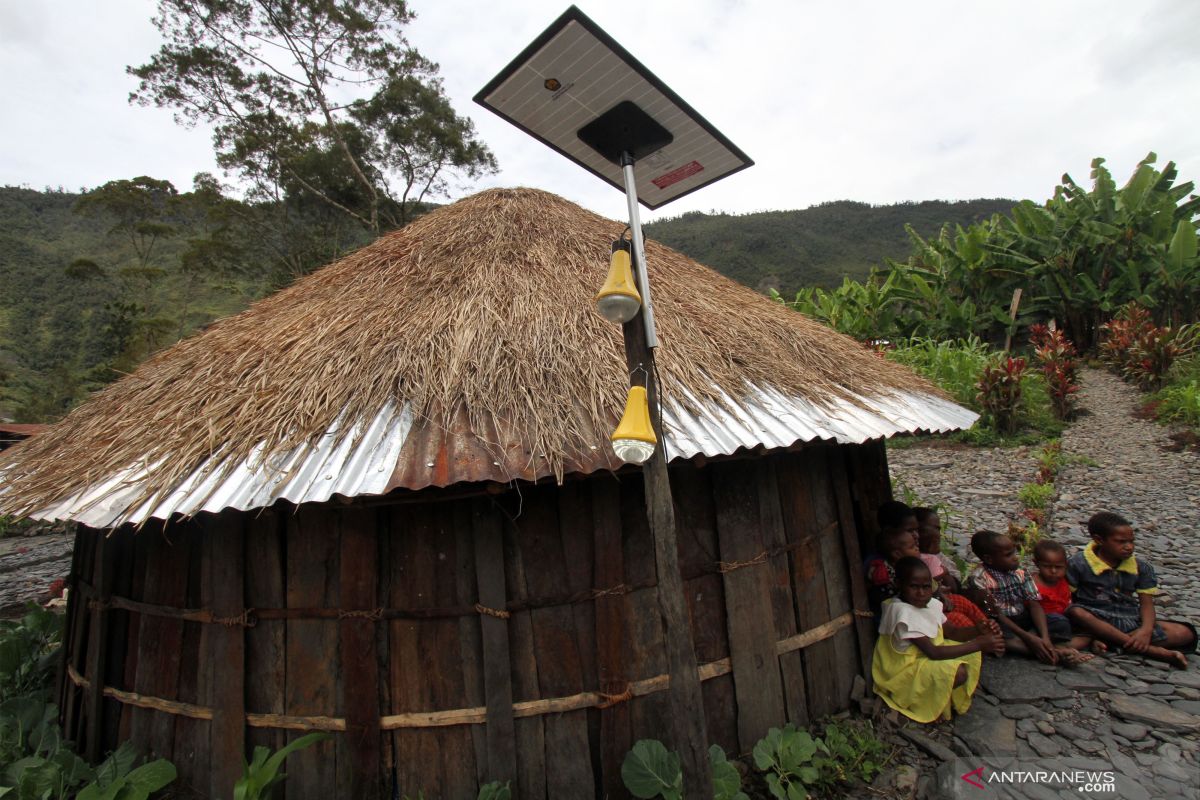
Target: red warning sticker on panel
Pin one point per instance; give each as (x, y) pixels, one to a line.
(676, 175)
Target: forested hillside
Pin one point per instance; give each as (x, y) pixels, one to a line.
(817, 246)
(91, 284)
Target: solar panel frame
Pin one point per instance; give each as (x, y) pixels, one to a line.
(697, 141)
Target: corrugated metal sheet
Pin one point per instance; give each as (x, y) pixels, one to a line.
(392, 451)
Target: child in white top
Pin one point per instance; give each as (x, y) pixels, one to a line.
(916, 671)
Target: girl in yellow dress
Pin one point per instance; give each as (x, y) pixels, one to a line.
(917, 671)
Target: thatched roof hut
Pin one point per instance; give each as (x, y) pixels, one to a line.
(447, 393)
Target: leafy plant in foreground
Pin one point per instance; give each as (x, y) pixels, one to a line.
(495, 791)
(788, 756)
(262, 774)
(28, 649)
(651, 770)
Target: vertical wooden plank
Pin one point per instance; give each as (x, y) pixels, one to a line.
(698, 553)
(756, 680)
(359, 777)
(412, 586)
(442, 665)
(837, 581)
(266, 653)
(783, 606)
(77, 605)
(192, 756)
(644, 648)
(97, 643)
(530, 731)
(62, 684)
(311, 644)
(497, 669)
(161, 638)
(864, 629)
(224, 549)
(470, 641)
(578, 542)
(133, 648)
(616, 734)
(538, 546)
(796, 477)
(118, 634)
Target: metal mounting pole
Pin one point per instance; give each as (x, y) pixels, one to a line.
(686, 701)
(639, 249)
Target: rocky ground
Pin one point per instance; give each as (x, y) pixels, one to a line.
(1119, 714)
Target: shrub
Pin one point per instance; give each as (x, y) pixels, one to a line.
(1060, 367)
(651, 770)
(1180, 403)
(1036, 495)
(999, 392)
(1120, 333)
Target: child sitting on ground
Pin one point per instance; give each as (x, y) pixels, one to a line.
(1051, 560)
(898, 539)
(917, 669)
(1114, 595)
(929, 540)
(1013, 595)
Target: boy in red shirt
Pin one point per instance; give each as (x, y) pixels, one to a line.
(1051, 560)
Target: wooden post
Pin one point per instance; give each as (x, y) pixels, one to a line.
(497, 663)
(97, 646)
(1012, 316)
(686, 701)
(223, 549)
(360, 664)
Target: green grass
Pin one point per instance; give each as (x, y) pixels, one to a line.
(954, 366)
(1179, 400)
(1036, 495)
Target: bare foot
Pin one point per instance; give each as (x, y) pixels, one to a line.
(1177, 659)
(1070, 657)
(1099, 647)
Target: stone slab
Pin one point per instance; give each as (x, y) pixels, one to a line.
(1156, 715)
(986, 731)
(1017, 680)
(1082, 679)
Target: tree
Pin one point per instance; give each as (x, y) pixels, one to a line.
(324, 98)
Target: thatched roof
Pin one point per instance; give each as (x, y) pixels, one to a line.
(462, 347)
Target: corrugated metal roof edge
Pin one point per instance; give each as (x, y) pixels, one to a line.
(764, 418)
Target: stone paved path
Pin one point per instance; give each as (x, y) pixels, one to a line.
(1133, 717)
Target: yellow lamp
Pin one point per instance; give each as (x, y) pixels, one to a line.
(633, 441)
(618, 300)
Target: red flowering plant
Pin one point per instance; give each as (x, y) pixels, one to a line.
(1150, 357)
(999, 394)
(1060, 367)
(1121, 333)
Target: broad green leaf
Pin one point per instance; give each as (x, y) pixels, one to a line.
(153, 776)
(650, 770)
(1183, 246)
(796, 791)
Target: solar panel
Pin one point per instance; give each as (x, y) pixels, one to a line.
(578, 91)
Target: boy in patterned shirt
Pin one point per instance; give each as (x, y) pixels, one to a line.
(1013, 595)
(1114, 595)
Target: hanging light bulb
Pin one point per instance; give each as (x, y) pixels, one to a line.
(633, 441)
(618, 300)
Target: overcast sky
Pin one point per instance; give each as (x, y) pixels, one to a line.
(873, 101)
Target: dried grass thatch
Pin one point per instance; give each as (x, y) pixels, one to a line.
(483, 307)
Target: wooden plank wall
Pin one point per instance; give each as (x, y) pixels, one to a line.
(809, 510)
